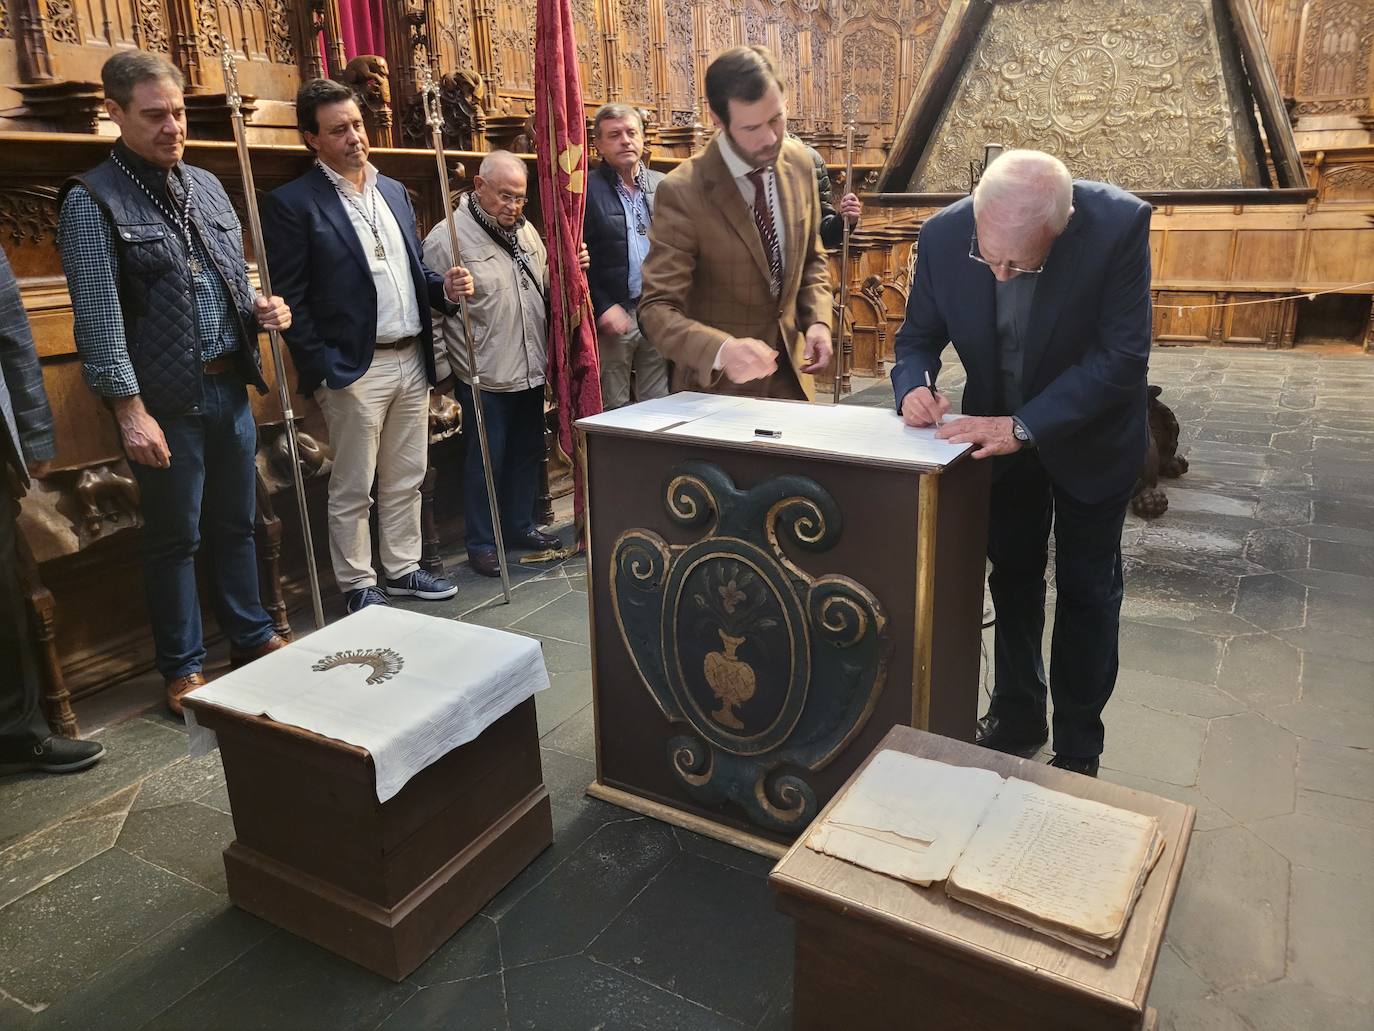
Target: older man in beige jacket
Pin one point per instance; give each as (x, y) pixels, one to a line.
(509, 267)
(736, 285)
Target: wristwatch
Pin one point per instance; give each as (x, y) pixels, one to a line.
(1019, 431)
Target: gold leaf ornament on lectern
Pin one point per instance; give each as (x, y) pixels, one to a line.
(384, 663)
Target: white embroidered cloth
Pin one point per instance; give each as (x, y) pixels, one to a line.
(406, 687)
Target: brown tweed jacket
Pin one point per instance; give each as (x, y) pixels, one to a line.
(706, 276)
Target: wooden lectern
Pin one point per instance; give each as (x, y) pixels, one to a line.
(773, 586)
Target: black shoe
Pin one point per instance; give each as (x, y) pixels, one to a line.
(52, 755)
(993, 733)
(535, 540)
(485, 563)
(363, 597)
(1076, 764)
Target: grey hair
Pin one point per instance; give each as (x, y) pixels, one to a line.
(498, 159)
(616, 112)
(121, 73)
(1025, 189)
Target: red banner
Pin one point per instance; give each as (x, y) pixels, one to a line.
(561, 145)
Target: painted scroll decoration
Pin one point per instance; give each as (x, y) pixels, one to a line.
(764, 671)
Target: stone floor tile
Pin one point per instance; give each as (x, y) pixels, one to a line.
(65, 932)
(695, 951)
(1336, 769)
(726, 855)
(1334, 726)
(186, 839)
(1261, 671)
(1209, 815)
(567, 694)
(526, 599)
(1342, 557)
(1318, 844)
(286, 982)
(564, 656)
(477, 1004)
(1337, 683)
(1277, 549)
(1361, 588)
(566, 777)
(473, 951)
(576, 992)
(1281, 508)
(160, 971)
(1248, 767)
(1206, 1014)
(1356, 812)
(1172, 653)
(1169, 588)
(1318, 639)
(182, 781)
(565, 912)
(1164, 746)
(1216, 472)
(1344, 513)
(1169, 694)
(1271, 601)
(572, 825)
(564, 618)
(1174, 982)
(133, 750)
(1330, 926)
(47, 855)
(1289, 1006)
(1229, 922)
(574, 736)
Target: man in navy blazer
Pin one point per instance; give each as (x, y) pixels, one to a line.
(620, 210)
(342, 245)
(1042, 284)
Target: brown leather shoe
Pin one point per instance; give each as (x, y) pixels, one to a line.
(485, 563)
(178, 686)
(237, 658)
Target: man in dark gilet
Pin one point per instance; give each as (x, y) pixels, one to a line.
(167, 325)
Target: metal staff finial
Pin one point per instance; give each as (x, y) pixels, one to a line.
(434, 116)
(234, 99)
(849, 107)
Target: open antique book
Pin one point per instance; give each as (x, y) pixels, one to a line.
(1064, 866)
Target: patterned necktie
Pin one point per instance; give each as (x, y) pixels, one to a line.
(768, 232)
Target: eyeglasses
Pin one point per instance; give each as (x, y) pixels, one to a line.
(511, 200)
(973, 253)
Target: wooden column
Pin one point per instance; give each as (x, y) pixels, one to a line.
(31, 41)
(803, 91)
(658, 40)
(610, 47)
(701, 29)
(186, 52)
(483, 49)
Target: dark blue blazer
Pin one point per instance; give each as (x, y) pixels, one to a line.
(1087, 350)
(603, 231)
(318, 267)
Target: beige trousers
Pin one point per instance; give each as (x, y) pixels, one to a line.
(379, 428)
(622, 354)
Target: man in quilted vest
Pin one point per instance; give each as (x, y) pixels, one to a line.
(167, 325)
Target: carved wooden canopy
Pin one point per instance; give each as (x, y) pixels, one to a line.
(1157, 96)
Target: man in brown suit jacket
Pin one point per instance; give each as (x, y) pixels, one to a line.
(736, 285)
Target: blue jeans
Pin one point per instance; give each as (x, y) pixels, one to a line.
(209, 490)
(515, 437)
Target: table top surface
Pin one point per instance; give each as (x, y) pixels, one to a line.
(851, 433)
(929, 915)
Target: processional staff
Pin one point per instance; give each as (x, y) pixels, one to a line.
(250, 201)
(429, 90)
(849, 106)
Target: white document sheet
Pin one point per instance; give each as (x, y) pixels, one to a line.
(408, 688)
(907, 817)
